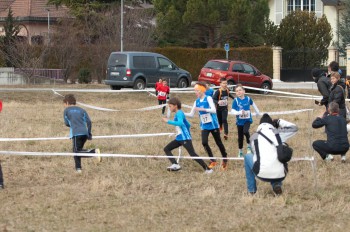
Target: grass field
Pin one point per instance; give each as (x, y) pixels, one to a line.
(121, 194)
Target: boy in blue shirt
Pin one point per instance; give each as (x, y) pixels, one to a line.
(80, 129)
(183, 136)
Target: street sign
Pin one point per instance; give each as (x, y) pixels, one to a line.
(227, 47)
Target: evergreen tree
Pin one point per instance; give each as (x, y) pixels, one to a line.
(8, 41)
(304, 39)
(344, 27)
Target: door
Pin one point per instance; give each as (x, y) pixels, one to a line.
(168, 71)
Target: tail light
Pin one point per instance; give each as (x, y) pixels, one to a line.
(128, 72)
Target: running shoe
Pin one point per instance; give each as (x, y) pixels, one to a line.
(212, 164)
(174, 168)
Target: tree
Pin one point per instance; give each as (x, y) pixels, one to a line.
(304, 39)
(210, 23)
(8, 41)
(344, 27)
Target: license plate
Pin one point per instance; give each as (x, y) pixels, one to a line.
(209, 74)
(114, 73)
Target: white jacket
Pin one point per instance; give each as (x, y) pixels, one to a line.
(266, 153)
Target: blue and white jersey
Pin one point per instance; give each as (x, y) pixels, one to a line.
(208, 121)
(239, 104)
(182, 126)
(78, 120)
(209, 92)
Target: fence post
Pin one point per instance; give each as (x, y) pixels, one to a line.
(277, 63)
(333, 54)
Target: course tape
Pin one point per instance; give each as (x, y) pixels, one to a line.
(125, 155)
(94, 137)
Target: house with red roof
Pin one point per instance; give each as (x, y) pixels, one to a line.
(35, 18)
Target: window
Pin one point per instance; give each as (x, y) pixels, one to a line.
(248, 69)
(217, 65)
(237, 68)
(144, 62)
(117, 60)
(305, 5)
(165, 64)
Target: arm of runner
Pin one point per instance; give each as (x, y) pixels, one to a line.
(256, 109)
(191, 114)
(212, 108)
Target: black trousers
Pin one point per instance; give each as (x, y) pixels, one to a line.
(78, 144)
(187, 144)
(1, 176)
(161, 102)
(243, 131)
(222, 118)
(323, 148)
(217, 138)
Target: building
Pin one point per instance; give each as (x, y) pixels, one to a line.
(35, 17)
(332, 9)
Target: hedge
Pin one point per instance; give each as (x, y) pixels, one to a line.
(192, 59)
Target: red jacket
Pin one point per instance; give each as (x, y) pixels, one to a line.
(163, 91)
(158, 84)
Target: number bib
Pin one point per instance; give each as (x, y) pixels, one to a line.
(245, 115)
(206, 118)
(162, 94)
(223, 102)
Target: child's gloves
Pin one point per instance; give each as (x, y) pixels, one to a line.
(89, 136)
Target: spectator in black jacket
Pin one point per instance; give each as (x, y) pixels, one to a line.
(323, 85)
(337, 135)
(337, 93)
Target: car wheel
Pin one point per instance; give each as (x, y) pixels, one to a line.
(182, 83)
(139, 84)
(231, 88)
(115, 87)
(265, 85)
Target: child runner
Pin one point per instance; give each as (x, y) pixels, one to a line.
(183, 137)
(1, 178)
(80, 129)
(241, 108)
(221, 100)
(209, 91)
(159, 83)
(163, 91)
(208, 122)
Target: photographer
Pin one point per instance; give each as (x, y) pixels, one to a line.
(323, 85)
(337, 135)
(263, 163)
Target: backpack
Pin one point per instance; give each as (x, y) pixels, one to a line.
(284, 151)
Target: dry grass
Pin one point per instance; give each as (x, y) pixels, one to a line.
(44, 193)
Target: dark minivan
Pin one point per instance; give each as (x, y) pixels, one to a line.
(143, 69)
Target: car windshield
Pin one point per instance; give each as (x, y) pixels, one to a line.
(117, 60)
(217, 65)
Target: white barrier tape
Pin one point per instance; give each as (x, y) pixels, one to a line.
(27, 153)
(94, 137)
(113, 110)
(279, 112)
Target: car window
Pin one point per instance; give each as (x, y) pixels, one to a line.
(237, 68)
(217, 65)
(248, 69)
(118, 60)
(144, 62)
(165, 64)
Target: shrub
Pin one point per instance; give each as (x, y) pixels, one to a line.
(84, 76)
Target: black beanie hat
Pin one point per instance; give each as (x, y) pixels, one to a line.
(266, 119)
(316, 72)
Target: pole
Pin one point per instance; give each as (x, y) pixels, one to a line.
(121, 24)
(48, 26)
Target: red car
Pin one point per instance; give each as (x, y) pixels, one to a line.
(234, 72)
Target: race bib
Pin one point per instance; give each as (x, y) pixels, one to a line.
(245, 115)
(178, 130)
(162, 94)
(223, 102)
(206, 118)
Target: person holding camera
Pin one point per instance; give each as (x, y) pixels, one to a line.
(337, 136)
(323, 86)
(263, 161)
(80, 129)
